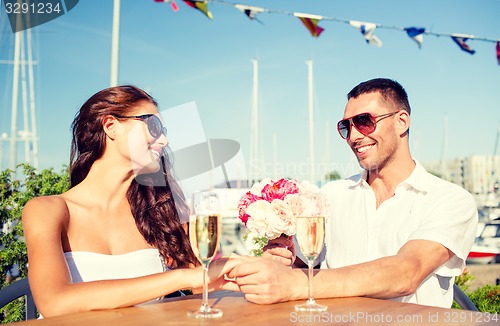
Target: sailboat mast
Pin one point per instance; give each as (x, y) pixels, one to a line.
(275, 156)
(115, 43)
(443, 165)
(25, 134)
(496, 141)
(327, 149)
(311, 120)
(15, 94)
(31, 80)
(254, 129)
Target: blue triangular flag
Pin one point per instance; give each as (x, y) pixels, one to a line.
(461, 41)
(416, 34)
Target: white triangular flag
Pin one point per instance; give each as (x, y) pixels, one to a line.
(368, 30)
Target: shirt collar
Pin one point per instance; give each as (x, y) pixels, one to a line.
(415, 180)
(359, 179)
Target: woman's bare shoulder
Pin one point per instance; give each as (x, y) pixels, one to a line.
(54, 201)
(53, 206)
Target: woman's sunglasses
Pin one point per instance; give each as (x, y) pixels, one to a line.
(365, 123)
(155, 127)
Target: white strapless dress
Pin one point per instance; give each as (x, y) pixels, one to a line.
(91, 266)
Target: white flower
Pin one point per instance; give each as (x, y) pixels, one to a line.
(307, 187)
(312, 206)
(285, 219)
(257, 187)
(270, 216)
(8, 226)
(294, 201)
(260, 212)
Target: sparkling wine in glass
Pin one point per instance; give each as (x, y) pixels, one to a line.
(310, 236)
(204, 235)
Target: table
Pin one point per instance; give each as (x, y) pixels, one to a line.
(238, 311)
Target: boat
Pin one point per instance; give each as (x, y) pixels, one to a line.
(486, 248)
(483, 254)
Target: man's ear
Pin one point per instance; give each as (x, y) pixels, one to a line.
(403, 121)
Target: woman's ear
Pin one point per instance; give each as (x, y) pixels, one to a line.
(110, 125)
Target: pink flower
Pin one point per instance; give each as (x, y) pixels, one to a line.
(258, 186)
(279, 189)
(244, 202)
(270, 208)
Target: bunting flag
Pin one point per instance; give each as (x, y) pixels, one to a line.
(201, 5)
(461, 41)
(498, 51)
(250, 11)
(310, 22)
(368, 30)
(174, 5)
(416, 34)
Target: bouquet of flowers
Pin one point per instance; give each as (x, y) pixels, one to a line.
(271, 207)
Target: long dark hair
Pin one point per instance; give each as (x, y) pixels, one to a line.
(158, 210)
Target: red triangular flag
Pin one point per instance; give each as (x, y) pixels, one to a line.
(201, 5)
(310, 22)
(174, 6)
(498, 52)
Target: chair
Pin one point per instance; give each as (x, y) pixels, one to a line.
(16, 290)
(462, 299)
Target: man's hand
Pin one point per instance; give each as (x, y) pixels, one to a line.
(281, 249)
(266, 281)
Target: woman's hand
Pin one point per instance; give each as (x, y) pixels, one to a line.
(216, 271)
(281, 249)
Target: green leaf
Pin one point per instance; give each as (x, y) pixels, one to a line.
(14, 194)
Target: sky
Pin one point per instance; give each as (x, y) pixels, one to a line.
(184, 58)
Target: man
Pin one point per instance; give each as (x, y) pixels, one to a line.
(394, 232)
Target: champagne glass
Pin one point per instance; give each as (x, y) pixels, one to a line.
(310, 236)
(204, 235)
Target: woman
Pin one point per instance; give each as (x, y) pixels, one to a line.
(116, 238)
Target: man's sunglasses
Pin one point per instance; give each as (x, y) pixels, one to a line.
(365, 123)
(155, 127)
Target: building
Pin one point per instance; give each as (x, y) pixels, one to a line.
(479, 174)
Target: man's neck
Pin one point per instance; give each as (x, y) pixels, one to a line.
(384, 181)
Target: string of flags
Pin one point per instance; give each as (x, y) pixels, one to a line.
(367, 29)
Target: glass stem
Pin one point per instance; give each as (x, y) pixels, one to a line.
(310, 277)
(205, 306)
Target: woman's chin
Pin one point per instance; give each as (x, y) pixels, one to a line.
(152, 167)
